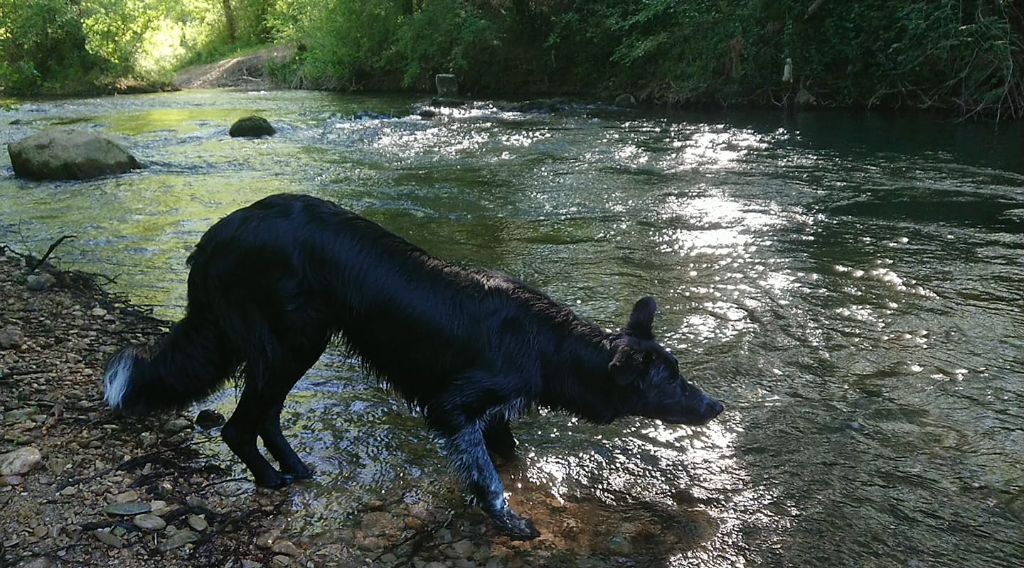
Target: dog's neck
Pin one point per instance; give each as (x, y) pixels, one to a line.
(584, 385)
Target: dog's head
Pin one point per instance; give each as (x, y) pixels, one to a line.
(649, 378)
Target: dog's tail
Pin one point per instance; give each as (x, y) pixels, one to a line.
(190, 363)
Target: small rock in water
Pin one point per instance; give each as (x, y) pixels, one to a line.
(281, 560)
(179, 539)
(98, 312)
(149, 522)
(128, 509)
(11, 337)
(251, 127)
(20, 461)
(40, 282)
(208, 419)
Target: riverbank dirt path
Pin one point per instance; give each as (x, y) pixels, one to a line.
(244, 72)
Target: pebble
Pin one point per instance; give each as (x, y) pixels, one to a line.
(126, 509)
(126, 497)
(176, 425)
(463, 548)
(266, 540)
(281, 560)
(198, 523)
(11, 480)
(179, 539)
(98, 312)
(149, 522)
(20, 461)
(40, 282)
(618, 544)
(158, 507)
(286, 547)
(208, 419)
(107, 538)
(39, 562)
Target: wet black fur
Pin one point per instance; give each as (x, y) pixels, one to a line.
(272, 284)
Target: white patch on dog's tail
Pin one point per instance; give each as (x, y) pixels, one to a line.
(118, 377)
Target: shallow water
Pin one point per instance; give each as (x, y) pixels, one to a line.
(850, 285)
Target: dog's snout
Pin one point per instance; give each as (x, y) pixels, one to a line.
(714, 407)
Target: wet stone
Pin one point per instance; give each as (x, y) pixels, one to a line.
(177, 425)
(208, 419)
(198, 523)
(40, 282)
(149, 522)
(179, 539)
(108, 538)
(126, 497)
(286, 547)
(281, 560)
(126, 509)
(20, 461)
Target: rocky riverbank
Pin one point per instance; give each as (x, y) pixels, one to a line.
(80, 486)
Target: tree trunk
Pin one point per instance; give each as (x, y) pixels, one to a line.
(229, 16)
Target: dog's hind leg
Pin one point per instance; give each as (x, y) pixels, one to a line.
(271, 373)
(499, 439)
(273, 438)
(239, 433)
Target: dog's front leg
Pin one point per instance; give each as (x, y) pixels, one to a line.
(469, 457)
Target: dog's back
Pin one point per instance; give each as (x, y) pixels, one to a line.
(319, 270)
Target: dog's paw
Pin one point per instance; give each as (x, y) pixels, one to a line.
(516, 527)
(277, 481)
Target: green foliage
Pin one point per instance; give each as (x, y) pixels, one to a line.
(444, 36)
(115, 30)
(352, 43)
(41, 42)
(951, 54)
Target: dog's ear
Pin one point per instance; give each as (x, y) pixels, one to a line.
(642, 319)
(625, 368)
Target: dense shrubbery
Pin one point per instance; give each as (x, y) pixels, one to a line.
(966, 55)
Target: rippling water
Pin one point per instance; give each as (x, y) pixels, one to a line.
(851, 286)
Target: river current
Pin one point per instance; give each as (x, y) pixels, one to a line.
(851, 285)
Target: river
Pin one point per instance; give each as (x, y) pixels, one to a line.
(851, 285)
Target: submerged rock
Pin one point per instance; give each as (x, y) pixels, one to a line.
(69, 154)
(251, 127)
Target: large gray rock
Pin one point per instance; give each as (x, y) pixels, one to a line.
(69, 154)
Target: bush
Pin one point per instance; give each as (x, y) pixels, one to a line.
(41, 42)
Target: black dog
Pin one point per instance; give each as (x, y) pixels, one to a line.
(271, 284)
